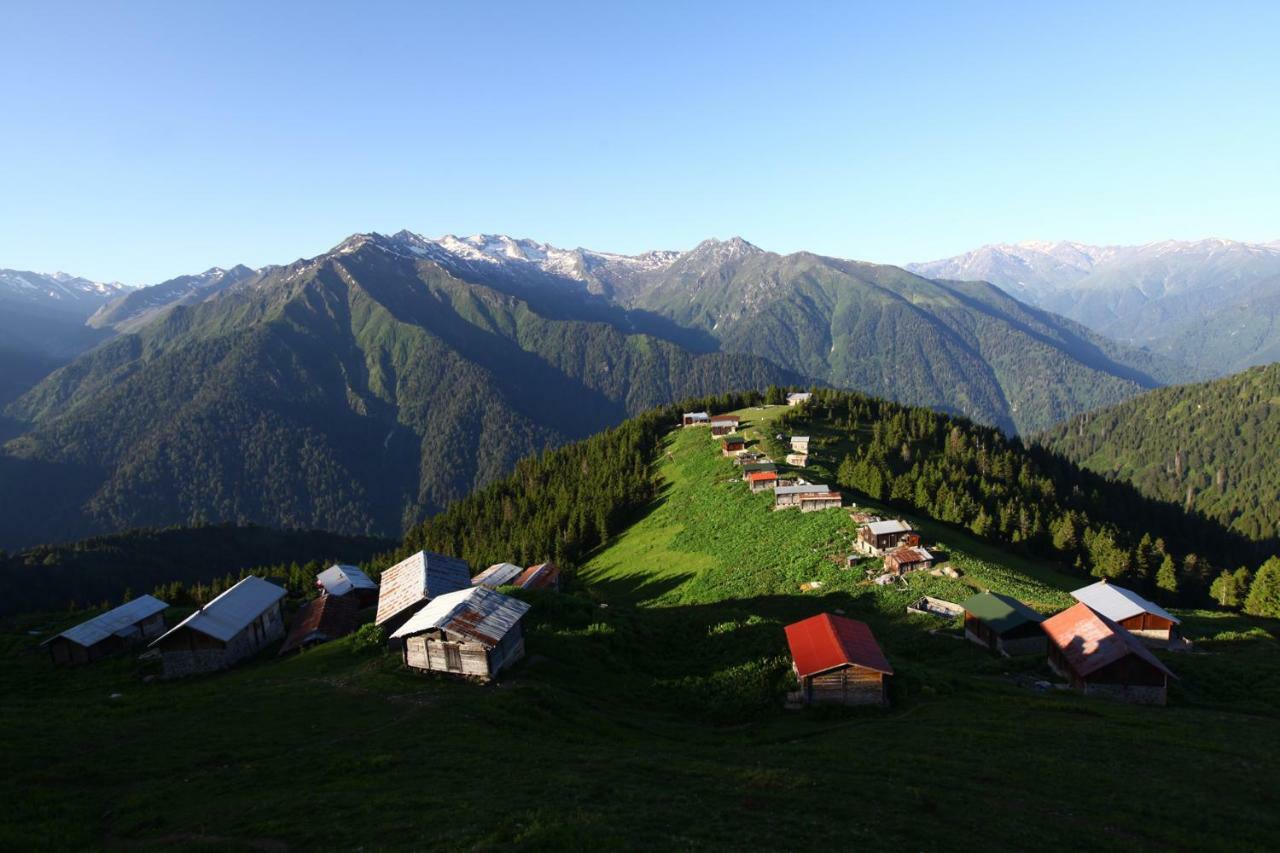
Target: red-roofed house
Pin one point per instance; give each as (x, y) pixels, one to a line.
(1100, 658)
(838, 660)
(541, 576)
(762, 481)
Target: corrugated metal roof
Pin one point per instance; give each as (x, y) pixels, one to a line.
(799, 395)
(116, 621)
(540, 576)
(478, 613)
(697, 416)
(1001, 612)
(1089, 640)
(415, 579)
(910, 554)
(1118, 603)
(880, 528)
(810, 489)
(826, 641)
(340, 579)
(325, 618)
(233, 611)
(499, 574)
(760, 476)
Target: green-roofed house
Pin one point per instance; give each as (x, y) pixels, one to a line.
(1004, 625)
(731, 445)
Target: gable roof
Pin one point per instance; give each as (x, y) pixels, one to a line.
(1118, 603)
(910, 554)
(478, 613)
(809, 489)
(732, 439)
(499, 574)
(893, 525)
(1089, 640)
(1001, 612)
(116, 621)
(799, 438)
(826, 641)
(799, 395)
(698, 416)
(540, 576)
(725, 419)
(748, 467)
(415, 579)
(761, 476)
(325, 618)
(231, 612)
(340, 579)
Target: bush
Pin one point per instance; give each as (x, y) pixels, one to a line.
(368, 638)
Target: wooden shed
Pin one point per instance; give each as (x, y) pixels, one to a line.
(838, 660)
(800, 444)
(139, 619)
(410, 584)
(695, 419)
(762, 481)
(908, 558)
(785, 497)
(798, 460)
(819, 501)
(877, 537)
(724, 425)
(474, 632)
(237, 624)
(343, 580)
(798, 397)
(1100, 658)
(1003, 624)
(749, 468)
(322, 619)
(1140, 617)
(731, 445)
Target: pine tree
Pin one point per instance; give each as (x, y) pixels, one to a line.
(1264, 592)
(1167, 577)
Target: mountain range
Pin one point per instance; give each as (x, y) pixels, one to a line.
(1212, 305)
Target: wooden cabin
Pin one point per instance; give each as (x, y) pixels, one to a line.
(749, 468)
(235, 625)
(321, 620)
(785, 497)
(499, 574)
(724, 425)
(1003, 624)
(1140, 617)
(797, 398)
(908, 558)
(541, 576)
(798, 460)
(731, 445)
(762, 481)
(475, 633)
(695, 419)
(837, 660)
(1100, 658)
(877, 537)
(342, 580)
(138, 619)
(410, 584)
(800, 444)
(818, 502)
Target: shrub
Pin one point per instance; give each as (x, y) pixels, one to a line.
(368, 638)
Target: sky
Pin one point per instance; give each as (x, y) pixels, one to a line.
(140, 141)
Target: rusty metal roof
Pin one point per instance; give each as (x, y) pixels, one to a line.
(417, 579)
(477, 614)
(541, 576)
(910, 554)
(117, 621)
(826, 641)
(231, 612)
(325, 618)
(1089, 641)
(340, 579)
(499, 574)
(1118, 603)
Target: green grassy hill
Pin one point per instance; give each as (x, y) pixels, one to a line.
(648, 713)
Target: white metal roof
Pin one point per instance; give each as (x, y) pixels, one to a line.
(499, 574)
(1117, 603)
(810, 489)
(424, 575)
(341, 579)
(698, 416)
(893, 525)
(116, 621)
(799, 438)
(233, 611)
(478, 613)
(799, 395)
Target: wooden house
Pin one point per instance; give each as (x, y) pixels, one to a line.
(322, 619)
(1098, 657)
(724, 425)
(877, 537)
(785, 497)
(837, 660)
(235, 625)
(797, 398)
(731, 445)
(1140, 617)
(499, 574)
(695, 419)
(762, 481)
(541, 576)
(800, 444)
(410, 584)
(749, 468)
(474, 632)
(342, 580)
(138, 619)
(798, 460)
(1003, 624)
(908, 558)
(818, 501)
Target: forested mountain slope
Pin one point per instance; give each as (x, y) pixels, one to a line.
(1212, 447)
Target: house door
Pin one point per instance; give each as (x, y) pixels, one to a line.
(452, 657)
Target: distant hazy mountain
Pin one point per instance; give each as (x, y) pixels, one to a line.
(140, 306)
(1148, 295)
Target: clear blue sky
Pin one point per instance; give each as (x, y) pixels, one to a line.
(143, 140)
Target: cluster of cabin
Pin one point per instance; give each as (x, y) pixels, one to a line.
(438, 616)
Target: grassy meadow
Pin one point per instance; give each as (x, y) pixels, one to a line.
(648, 714)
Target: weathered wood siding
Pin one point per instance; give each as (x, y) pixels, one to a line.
(440, 651)
(190, 652)
(1152, 629)
(850, 685)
